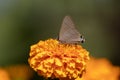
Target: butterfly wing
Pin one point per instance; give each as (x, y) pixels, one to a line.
(68, 32)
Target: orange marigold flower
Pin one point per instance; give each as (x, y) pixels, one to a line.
(101, 69)
(55, 60)
(20, 72)
(4, 74)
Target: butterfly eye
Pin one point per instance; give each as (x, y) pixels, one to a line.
(81, 36)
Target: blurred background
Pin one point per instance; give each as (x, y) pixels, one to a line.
(25, 22)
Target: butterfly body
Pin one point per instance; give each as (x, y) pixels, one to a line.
(68, 33)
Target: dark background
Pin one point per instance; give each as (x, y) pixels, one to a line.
(25, 22)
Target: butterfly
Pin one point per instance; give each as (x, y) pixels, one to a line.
(68, 33)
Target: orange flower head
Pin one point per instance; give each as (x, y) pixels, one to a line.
(4, 75)
(101, 69)
(55, 60)
(19, 71)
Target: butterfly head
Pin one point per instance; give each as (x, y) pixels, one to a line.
(82, 39)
